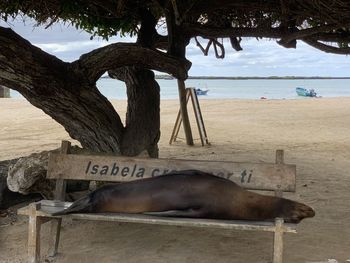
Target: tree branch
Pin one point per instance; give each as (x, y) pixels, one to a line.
(22, 65)
(160, 42)
(332, 37)
(204, 50)
(95, 63)
(217, 44)
(217, 32)
(64, 94)
(176, 12)
(311, 36)
(236, 43)
(327, 48)
(120, 7)
(300, 34)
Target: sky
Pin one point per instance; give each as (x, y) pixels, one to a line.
(258, 58)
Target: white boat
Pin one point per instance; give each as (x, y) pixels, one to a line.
(201, 92)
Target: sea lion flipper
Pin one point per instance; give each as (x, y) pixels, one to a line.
(81, 205)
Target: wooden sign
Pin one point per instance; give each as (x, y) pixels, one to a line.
(259, 176)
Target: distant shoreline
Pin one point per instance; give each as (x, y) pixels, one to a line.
(269, 78)
(167, 77)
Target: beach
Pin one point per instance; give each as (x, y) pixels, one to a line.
(314, 133)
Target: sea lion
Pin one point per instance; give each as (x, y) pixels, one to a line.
(189, 193)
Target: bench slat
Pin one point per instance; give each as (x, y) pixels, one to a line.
(47, 209)
(257, 176)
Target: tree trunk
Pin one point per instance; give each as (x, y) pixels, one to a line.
(67, 91)
(142, 127)
(177, 47)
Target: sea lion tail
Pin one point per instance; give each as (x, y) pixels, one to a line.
(81, 205)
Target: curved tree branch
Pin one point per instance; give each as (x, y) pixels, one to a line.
(217, 44)
(311, 36)
(95, 63)
(332, 37)
(67, 96)
(217, 32)
(16, 54)
(276, 33)
(299, 34)
(160, 42)
(236, 43)
(206, 49)
(327, 48)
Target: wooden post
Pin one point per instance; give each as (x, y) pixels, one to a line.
(4, 92)
(199, 117)
(195, 109)
(184, 113)
(34, 234)
(279, 157)
(278, 241)
(60, 192)
(279, 160)
(278, 236)
(190, 92)
(178, 123)
(54, 238)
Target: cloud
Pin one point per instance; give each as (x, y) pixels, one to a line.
(258, 58)
(68, 46)
(267, 58)
(61, 40)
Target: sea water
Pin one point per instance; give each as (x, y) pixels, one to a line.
(234, 89)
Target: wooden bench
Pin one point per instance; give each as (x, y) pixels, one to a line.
(277, 177)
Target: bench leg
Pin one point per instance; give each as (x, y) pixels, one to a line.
(54, 236)
(34, 234)
(278, 242)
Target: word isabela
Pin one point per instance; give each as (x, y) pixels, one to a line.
(115, 170)
(139, 171)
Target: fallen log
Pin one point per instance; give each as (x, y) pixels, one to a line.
(27, 176)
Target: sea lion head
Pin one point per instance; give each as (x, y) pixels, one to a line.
(294, 212)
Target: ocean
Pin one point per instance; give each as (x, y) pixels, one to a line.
(234, 89)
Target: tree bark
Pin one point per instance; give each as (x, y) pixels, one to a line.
(142, 126)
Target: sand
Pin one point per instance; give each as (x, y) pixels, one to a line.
(315, 134)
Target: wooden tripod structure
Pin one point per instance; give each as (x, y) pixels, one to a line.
(191, 93)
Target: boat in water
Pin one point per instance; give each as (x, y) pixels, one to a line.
(201, 92)
(305, 92)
